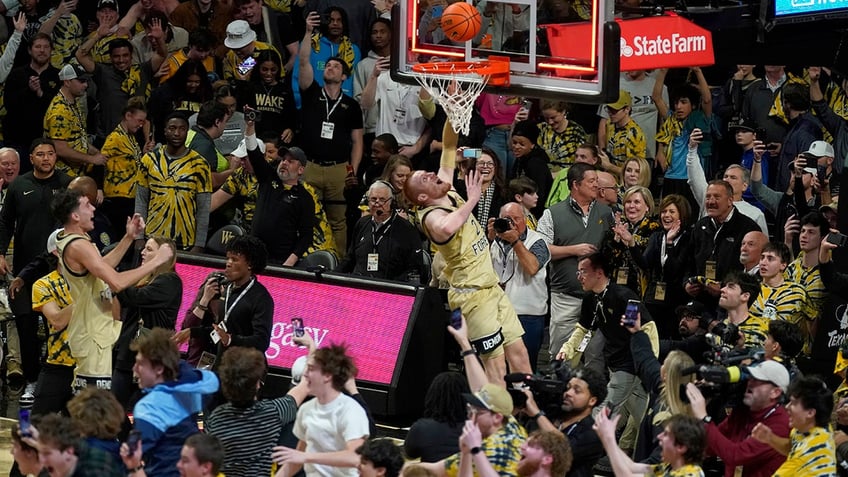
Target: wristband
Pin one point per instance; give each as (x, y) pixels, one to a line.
(513, 243)
(135, 469)
(538, 415)
(467, 352)
(475, 450)
(202, 307)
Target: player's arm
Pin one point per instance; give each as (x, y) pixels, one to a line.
(447, 165)
(82, 253)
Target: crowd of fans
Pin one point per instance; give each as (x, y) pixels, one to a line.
(677, 244)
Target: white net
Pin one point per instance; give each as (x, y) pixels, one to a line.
(456, 94)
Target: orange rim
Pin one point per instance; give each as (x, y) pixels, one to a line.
(496, 68)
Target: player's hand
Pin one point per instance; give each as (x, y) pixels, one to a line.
(135, 226)
(474, 186)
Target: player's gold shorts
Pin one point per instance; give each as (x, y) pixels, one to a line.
(492, 321)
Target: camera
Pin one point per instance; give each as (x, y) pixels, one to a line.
(547, 389)
(502, 224)
(219, 278)
(252, 115)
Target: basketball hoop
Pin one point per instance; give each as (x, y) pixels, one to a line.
(457, 84)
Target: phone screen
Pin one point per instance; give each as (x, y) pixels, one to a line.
(631, 313)
(247, 65)
(837, 239)
(297, 325)
(437, 11)
(456, 318)
(23, 418)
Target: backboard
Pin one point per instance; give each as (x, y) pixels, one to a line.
(558, 49)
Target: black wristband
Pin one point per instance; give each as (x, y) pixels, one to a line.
(475, 450)
(135, 469)
(468, 352)
(538, 415)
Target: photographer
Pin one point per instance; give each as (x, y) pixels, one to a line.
(693, 326)
(601, 312)
(586, 389)
(731, 440)
(520, 257)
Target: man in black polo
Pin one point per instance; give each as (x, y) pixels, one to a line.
(332, 133)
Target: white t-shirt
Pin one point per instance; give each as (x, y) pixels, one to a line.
(328, 428)
(644, 111)
(398, 109)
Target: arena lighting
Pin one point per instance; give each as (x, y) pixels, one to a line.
(395, 332)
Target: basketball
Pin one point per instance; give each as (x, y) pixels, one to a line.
(461, 21)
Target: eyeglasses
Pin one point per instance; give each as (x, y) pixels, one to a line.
(580, 273)
(378, 200)
(485, 165)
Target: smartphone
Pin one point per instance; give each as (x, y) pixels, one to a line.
(472, 153)
(837, 239)
(23, 420)
(772, 146)
(456, 318)
(631, 313)
(246, 65)
(133, 440)
(527, 105)
(437, 11)
(297, 325)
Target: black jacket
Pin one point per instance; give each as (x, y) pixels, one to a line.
(718, 243)
(398, 247)
(672, 273)
(284, 216)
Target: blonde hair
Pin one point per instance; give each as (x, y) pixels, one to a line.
(644, 171)
(166, 267)
(674, 364)
(646, 196)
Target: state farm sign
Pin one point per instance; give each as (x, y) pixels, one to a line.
(667, 41)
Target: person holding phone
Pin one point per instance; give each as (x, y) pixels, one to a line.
(601, 315)
(240, 61)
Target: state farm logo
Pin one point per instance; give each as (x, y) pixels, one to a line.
(644, 45)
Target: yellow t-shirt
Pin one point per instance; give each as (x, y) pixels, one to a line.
(64, 121)
(53, 287)
(121, 171)
(231, 61)
(174, 185)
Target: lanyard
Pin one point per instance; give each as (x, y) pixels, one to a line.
(327, 102)
(229, 308)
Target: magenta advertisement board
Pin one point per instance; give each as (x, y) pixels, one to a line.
(371, 323)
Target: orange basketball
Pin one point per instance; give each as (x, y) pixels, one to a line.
(461, 21)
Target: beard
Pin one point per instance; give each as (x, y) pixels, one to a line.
(527, 467)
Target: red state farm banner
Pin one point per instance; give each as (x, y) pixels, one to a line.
(667, 41)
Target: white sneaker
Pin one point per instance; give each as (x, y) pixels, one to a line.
(27, 399)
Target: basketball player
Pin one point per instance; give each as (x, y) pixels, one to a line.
(447, 220)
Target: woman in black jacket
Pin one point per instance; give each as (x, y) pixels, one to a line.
(153, 303)
(664, 263)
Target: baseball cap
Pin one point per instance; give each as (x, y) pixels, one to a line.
(742, 123)
(69, 72)
(52, 240)
(624, 99)
(772, 372)
(820, 149)
(694, 307)
(294, 152)
(491, 397)
(239, 35)
(108, 4)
